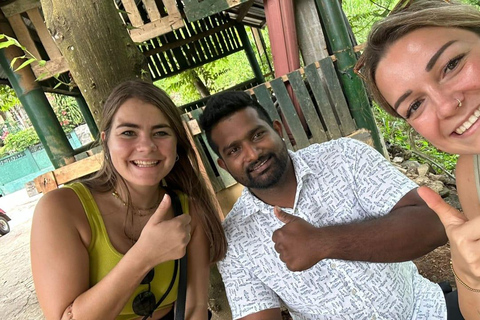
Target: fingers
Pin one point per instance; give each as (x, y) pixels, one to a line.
(447, 214)
(162, 210)
(283, 216)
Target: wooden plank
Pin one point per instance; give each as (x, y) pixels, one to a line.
(340, 105)
(78, 169)
(133, 14)
(264, 98)
(23, 35)
(290, 114)
(198, 9)
(150, 30)
(152, 10)
(308, 108)
(215, 180)
(45, 37)
(224, 175)
(45, 182)
(321, 97)
(51, 68)
(19, 6)
(242, 12)
(169, 46)
(174, 15)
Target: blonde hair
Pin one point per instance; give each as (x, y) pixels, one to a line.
(185, 175)
(406, 17)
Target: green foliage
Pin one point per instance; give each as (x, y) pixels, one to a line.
(67, 111)
(19, 141)
(8, 98)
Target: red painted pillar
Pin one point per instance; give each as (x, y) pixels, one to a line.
(280, 18)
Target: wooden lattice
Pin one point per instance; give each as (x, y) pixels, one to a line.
(28, 24)
(152, 18)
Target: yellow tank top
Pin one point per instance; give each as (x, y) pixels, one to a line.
(103, 256)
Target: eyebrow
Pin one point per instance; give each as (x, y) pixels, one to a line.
(233, 143)
(401, 99)
(136, 126)
(437, 55)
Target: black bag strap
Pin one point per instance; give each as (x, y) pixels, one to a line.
(182, 283)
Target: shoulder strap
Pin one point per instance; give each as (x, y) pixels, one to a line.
(476, 170)
(182, 283)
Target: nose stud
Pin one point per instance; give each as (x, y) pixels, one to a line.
(459, 103)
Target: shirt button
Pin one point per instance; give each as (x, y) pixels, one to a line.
(354, 291)
(374, 317)
(333, 265)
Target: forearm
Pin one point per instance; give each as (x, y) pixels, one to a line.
(106, 299)
(404, 234)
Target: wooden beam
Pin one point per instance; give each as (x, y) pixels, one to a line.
(51, 68)
(45, 37)
(23, 35)
(182, 42)
(154, 29)
(19, 6)
(152, 10)
(133, 13)
(52, 179)
(243, 10)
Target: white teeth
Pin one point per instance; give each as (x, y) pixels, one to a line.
(259, 165)
(467, 124)
(145, 164)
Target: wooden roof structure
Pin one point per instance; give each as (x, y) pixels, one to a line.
(174, 35)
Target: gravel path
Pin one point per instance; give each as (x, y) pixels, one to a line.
(17, 293)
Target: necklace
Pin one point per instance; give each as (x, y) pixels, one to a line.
(137, 211)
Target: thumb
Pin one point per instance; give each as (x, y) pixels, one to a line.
(283, 216)
(447, 214)
(162, 210)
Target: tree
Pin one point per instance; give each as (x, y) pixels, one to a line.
(96, 45)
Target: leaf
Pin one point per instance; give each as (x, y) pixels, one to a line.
(41, 76)
(122, 11)
(57, 85)
(26, 63)
(42, 63)
(6, 44)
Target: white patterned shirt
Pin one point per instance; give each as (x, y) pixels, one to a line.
(340, 181)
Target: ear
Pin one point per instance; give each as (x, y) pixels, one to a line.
(103, 135)
(277, 126)
(221, 163)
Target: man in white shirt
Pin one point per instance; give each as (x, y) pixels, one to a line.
(323, 230)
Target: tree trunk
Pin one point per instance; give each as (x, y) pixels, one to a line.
(96, 46)
(200, 86)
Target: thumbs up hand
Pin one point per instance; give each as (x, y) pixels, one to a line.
(463, 234)
(163, 238)
(296, 241)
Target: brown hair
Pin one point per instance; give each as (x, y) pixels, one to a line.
(185, 175)
(406, 17)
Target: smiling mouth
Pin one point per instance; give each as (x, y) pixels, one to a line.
(145, 164)
(467, 124)
(258, 164)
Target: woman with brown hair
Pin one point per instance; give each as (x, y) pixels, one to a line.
(107, 247)
(422, 63)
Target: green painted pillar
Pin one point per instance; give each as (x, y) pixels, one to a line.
(257, 71)
(38, 110)
(87, 115)
(334, 24)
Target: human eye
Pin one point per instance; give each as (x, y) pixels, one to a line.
(258, 135)
(413, 108)
(233, 151)
(453, 63)
(160, 134)
(128, 133)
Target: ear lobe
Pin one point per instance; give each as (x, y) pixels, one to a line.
(102, 135)
(221, 163)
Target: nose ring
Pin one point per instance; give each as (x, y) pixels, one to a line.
(459, 103)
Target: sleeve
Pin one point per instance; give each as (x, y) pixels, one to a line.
(245, 292)
(378, 184)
